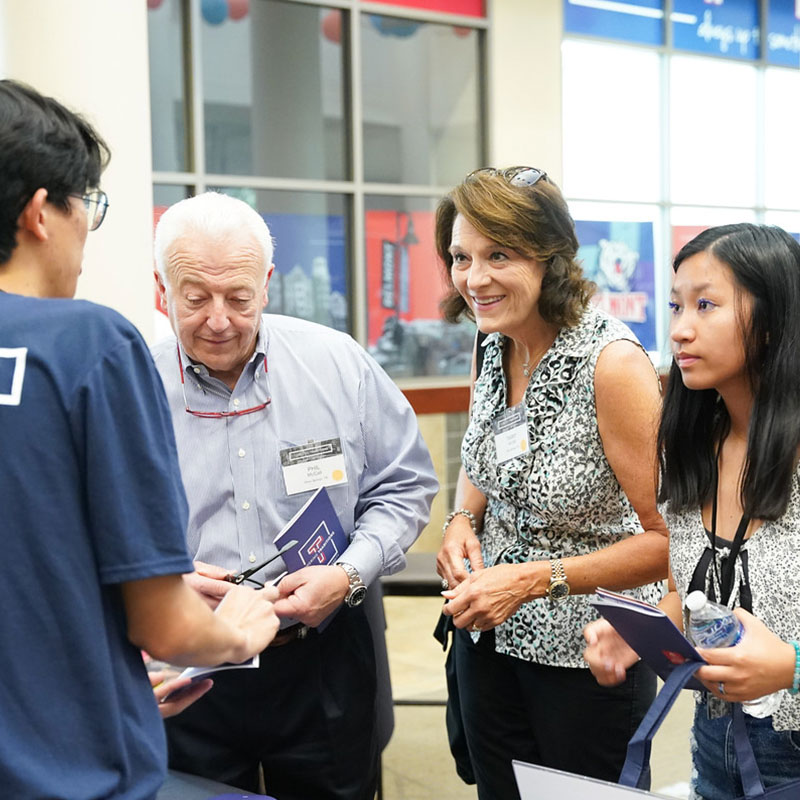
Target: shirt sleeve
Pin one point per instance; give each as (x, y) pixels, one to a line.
(135, 501)
(398, 484)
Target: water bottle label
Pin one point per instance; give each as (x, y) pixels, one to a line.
(724, 632)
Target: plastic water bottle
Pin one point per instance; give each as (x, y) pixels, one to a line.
(713, 625)
(710, 624)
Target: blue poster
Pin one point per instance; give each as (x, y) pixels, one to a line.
(310, 278)
(719, 27)
(618, 257)
(783, 33)
(634, 21)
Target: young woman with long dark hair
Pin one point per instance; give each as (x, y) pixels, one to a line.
(730, 488)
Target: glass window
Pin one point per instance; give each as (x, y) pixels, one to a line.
(788, 220)
(406, 332)
(420, 96)
(712, 131)
(781, 127)
(273, 92)
(309, 229)
(611, 122)
(167, 81)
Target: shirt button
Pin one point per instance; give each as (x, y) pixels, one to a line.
(241, 453)
(196, 370)
(236, 401)
(245, 505)
(251, 558)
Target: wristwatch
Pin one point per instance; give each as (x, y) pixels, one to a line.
(558, 589)
(357, 591)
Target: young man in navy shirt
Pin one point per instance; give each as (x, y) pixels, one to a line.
(92, 508)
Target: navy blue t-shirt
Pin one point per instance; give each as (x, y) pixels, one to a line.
(90, 497)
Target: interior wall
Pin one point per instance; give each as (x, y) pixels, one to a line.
(92, 56)
(525, 84)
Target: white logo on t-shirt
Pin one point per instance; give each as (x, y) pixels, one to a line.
(20, 355)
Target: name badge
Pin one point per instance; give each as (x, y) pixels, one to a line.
(511, 433)
(309, 466)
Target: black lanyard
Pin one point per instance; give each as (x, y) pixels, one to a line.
(724, 581)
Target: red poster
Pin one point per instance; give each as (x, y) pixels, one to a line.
(467, 8)
(404, 278)
(683, 234)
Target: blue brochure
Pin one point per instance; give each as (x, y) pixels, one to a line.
(649, 631)
(316, 529)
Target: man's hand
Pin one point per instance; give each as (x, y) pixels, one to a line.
(165, 682)
(252, 612)
(209, 582)
(607, 653)
(311, 594)
(459, 543)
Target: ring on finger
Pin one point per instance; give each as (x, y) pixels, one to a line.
(445, 584)
(721, 687)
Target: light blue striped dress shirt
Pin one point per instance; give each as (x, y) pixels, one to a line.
(322, 385)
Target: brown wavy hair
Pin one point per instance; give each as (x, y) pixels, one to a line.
(534, 221)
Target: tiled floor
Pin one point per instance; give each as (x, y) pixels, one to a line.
(417, 763)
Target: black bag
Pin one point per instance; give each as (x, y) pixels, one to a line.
(456, 735)
(638, 759)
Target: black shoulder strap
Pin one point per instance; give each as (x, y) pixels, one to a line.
(479, 340)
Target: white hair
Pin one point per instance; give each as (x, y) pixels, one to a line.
(210, 214)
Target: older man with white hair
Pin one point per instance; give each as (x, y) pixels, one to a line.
(250, 394)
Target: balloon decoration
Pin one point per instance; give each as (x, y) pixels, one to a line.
(238, 9)
(462, 32)
(154, 4)
(394, 26)
(332, 26)
(214, 12)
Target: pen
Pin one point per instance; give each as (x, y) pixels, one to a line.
(243, 576)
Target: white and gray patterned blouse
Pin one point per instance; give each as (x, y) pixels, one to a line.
(561, 498)
(773, 555)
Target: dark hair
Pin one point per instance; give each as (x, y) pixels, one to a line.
(534, 221)
(765, 262)
(42, 145)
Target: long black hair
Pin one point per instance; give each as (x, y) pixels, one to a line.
(765, 262)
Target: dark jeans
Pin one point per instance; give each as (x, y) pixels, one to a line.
(307, 715)
(716, 770)
(553, 716)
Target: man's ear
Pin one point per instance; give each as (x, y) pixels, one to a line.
(266, 285)
(33, 219)
(162, 289)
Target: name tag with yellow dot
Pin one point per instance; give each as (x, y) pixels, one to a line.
(314, 464)
(511, 433)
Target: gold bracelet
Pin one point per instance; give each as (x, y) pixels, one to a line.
(464, 512)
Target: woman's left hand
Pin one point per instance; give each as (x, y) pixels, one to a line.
(758, 665)
(488, 596)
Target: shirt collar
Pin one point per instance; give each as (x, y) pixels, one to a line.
(262, 345)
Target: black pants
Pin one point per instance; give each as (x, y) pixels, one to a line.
(307, 715)
(553, 716)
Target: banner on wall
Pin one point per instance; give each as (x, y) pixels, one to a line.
(467, 8)
(783, 33)
(638, 21)
(406, 334)
(718, 27)
(618, 257)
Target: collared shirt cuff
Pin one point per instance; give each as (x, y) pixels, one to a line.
(365, 558)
